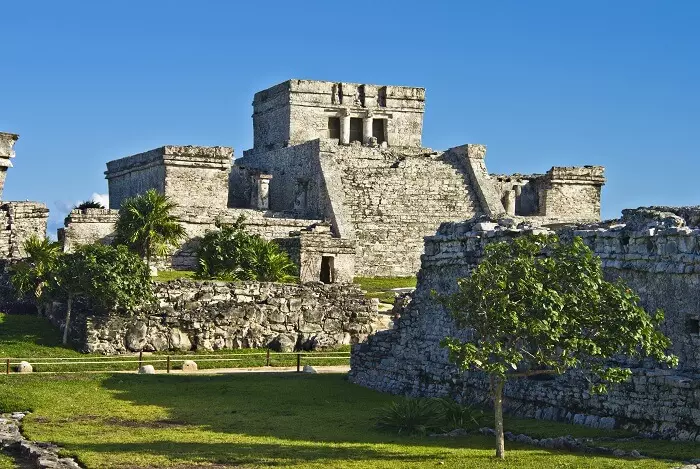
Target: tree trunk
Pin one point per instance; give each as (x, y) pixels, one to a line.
(68, 311)
(498, 411)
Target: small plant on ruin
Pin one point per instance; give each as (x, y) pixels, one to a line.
(230, 253)
(147, 226)
(105, 278)
(538, 306)
(89, 204)
(35, 274)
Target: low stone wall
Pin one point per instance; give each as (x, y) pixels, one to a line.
(211, 315)
(660, 262)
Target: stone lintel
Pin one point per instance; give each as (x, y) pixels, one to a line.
(7, 143)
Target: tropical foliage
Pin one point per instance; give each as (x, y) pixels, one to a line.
(147, 226)
(34, 276)
(540, 306)
(421, 416)
(89, 204)
(230, 253)
(105, 278)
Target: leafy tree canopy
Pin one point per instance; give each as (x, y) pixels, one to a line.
(147, 225)
(540, 306)
(89, 204)
(107, 277)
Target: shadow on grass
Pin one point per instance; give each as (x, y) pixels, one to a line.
(22, 335)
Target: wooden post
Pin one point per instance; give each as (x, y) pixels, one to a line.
(267, 358)
(140, 358)
(7, 371)
(168, 364)
(298, 362)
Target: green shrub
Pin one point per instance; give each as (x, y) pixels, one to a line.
(455, 415)
(411, 416)
(230, 253)
(89, 204)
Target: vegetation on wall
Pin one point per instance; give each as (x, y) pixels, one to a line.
(147, 225)
(230, 253)
(89, 204)
(538, 306)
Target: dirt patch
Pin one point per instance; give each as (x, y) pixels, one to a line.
(163, 423)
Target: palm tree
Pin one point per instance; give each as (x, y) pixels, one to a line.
(35, 274)
(147, 226)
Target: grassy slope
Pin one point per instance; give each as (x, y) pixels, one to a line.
(250, 420)
(378, 287)
(32, 337)
(166, 275)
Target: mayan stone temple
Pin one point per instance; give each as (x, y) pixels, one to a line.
(339, 177)
(338, 174)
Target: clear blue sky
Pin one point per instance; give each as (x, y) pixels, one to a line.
(542, 83)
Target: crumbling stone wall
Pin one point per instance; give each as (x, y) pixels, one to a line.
(210, 315)
(659, 261)
(86, 226)
(7, 143)
(20, 221)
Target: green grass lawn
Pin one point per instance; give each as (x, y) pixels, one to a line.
(6, 462)
(379, 287)
(166, 275)
(33, 338)
(249, 420)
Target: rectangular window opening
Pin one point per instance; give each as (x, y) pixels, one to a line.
(334, 127)
(356, 129)
(694, 326)
(379, 130)
(327, 269)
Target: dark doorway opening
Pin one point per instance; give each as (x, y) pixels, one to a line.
(327, 269)
(334, 127)
(355, 129)
(379, 130)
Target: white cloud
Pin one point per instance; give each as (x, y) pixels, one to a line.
(101, 198)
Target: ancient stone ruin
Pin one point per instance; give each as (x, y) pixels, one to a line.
(654, 251)
(18, 220)
(344, 155)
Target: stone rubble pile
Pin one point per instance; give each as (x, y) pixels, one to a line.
(39, 455)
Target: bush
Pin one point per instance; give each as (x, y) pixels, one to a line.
(89, 204)
(421, 416)
(230, 253)
(411, 416)
(455, 415)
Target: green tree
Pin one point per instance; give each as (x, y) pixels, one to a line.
(540, 306)
(106, 278)
(34, 275)
(147, 225)
(89, 204)
(230, 253)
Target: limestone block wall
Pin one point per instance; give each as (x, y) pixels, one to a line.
(189, 175)
(395, 198)
(206, 315)
(86, 226)
(659, 263)
(20, 221)
(90, 225)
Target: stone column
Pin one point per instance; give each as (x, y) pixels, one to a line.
(7, 143)
(509, 202)
(261, 192)
(367, 129)
(345, 127)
